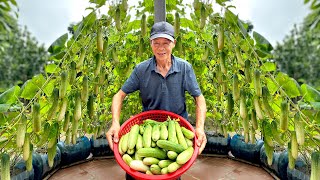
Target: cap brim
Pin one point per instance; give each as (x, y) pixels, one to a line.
(163, 36)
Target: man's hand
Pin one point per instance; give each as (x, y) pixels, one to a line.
(112, 134)
(202, 139)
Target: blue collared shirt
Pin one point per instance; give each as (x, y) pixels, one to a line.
(163, 93)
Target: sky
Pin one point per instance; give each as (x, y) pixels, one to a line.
(47, 20)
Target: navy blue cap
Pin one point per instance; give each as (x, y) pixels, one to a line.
(162, 29)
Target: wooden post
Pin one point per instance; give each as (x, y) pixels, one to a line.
(159, 10)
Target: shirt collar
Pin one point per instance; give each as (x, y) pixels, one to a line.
(174, 67)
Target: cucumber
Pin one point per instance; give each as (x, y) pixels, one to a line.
(73, 73)
(36, 117)
(66, 121)
(164, 170)
(172, 135)
(170, 146)
(243, 106)
(133, 136)
(176, 24)
(99, 39)
(5, 166)
(85, 89)
(155, 132)
(257, 83)
(117, 19)
(239, 56)
(235, 88)
(138, 166)
(53, 109)
(139, 142)
(90, 107)
(147, 136)
(51, 154)
(124, 144)
(299, 128)
(77, 107)
(189, 142)
(143, 25)
(172, 155)
(230, 105)
(269, 152)
(220, 38)
(203, 16)
(63, 109)
(155, 169)
(152, 152)
(247, 70)
(173, 167)
(163, 131)
(120, 145)
(292, 161)
(315, 165)
(284, 115)
(294, 145)
(21, 131)
(150, 160)
(254, 120)
(187, 133)
(130, 151)
(185, 156)
(29, 161)
(180, 136)
(63, 85)
(127, 159)
(26, 147)
(81, 58)
(257, 107)
(165, 163)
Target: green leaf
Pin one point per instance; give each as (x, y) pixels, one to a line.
(59, 44)
(315, 105)
(272, 87)
(262, 42)
(52, 68)
(4, 108)
(31, 87)
(268, 66)
(10, 96)
(99, 3)
(310, 94)
(289, 85)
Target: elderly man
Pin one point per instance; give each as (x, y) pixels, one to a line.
(162, 81)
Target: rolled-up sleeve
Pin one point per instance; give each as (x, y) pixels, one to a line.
(132, 83)
(192, 85)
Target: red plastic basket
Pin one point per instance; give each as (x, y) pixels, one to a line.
(158, 115)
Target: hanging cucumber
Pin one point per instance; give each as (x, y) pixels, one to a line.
(81, 58)
(176, 24)
(257, 83)
(235, 88)
(203, 16)
(315, 165)
(21, 131)
(85, 89)
(99, 39)
(299, 128)
(117, 19)
(66, 121)
(63, 109)
(55, 101)
(26, 147)
(36, 117)
(220, 38)
(239, 56)
(223, 64)
(143, 25)
(257, 107)
(230, 105)
(243, 106)
(63, 85)
(247, 71)
(98, 64)
(90, 107)
(5, 166)
(77, 107)
(284, 115)
(73, 73)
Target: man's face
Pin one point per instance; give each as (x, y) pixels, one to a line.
(162, 48)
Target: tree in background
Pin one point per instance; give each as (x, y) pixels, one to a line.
(299, 54)
(21, 57)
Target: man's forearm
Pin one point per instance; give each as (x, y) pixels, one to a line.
(116, 106)
(201, 110)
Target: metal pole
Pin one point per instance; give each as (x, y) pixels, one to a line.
(159, 10)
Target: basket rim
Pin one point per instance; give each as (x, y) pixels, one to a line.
(142, 176)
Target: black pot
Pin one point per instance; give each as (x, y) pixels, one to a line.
(301, 170)
(245, 151)
(279, 163)
(75, 152)
(100, 147)
(216, 144)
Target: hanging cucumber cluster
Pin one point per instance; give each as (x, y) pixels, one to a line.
(157, 147)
